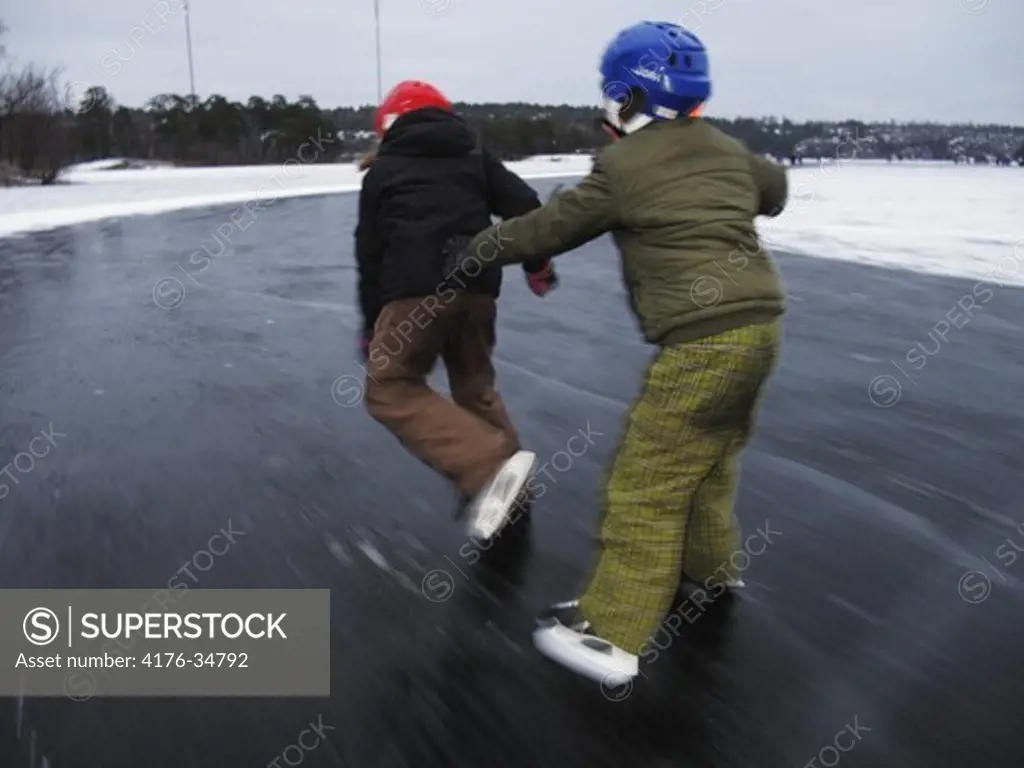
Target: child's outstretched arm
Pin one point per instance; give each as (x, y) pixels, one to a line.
(368, 257)
(773, 185)
(570, 219)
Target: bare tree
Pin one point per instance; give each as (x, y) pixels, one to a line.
(33, 120)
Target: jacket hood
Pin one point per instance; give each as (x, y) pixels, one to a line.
(428, 132)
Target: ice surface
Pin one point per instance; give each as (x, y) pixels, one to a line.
(929, 217)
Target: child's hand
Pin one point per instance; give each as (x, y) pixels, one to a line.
(543, 281)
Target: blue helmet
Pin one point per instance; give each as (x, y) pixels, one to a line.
(666, 62)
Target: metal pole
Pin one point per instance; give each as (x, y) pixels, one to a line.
(376, 17)
(188, 38)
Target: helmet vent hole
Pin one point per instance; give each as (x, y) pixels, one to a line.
(687, 61)
(672, 60)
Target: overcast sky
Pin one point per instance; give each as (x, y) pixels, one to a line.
(947, 60)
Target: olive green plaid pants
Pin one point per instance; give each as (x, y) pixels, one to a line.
(671, 486)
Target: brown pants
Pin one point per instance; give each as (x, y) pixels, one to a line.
(466, 440)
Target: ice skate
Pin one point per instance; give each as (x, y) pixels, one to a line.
(566, 637)
(494, 506)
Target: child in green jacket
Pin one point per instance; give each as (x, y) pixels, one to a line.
(680, 199)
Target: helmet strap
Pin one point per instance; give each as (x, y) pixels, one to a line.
(637, 122)
(627, 117)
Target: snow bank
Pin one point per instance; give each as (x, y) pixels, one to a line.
(934, 218)
(95, 165)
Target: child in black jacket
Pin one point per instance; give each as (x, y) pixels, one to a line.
(428, 183)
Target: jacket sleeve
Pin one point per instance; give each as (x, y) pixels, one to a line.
(368, 256)
(509, 196)
(773, 185)
(570, 219)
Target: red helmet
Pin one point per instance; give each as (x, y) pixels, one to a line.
(406, 97)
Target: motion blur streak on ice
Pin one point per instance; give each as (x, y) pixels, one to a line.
(934, 218)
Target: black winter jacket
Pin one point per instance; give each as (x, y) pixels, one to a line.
(429, 183)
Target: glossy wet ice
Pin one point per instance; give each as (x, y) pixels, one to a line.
(861, 635)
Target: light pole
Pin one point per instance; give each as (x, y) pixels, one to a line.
(376, 18)
(188, 38)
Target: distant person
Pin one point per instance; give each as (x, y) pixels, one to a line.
(680, 199)
(427, 182)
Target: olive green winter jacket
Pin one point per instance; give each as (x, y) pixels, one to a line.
(680, 198)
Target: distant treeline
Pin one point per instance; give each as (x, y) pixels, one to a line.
(39, 134)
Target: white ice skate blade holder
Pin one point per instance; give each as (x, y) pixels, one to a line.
(611, 666)
(491, 509)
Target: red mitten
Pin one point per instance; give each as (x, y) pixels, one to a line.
(542, 282)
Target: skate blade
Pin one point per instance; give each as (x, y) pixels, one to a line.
(491, 512)
(597, 659)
